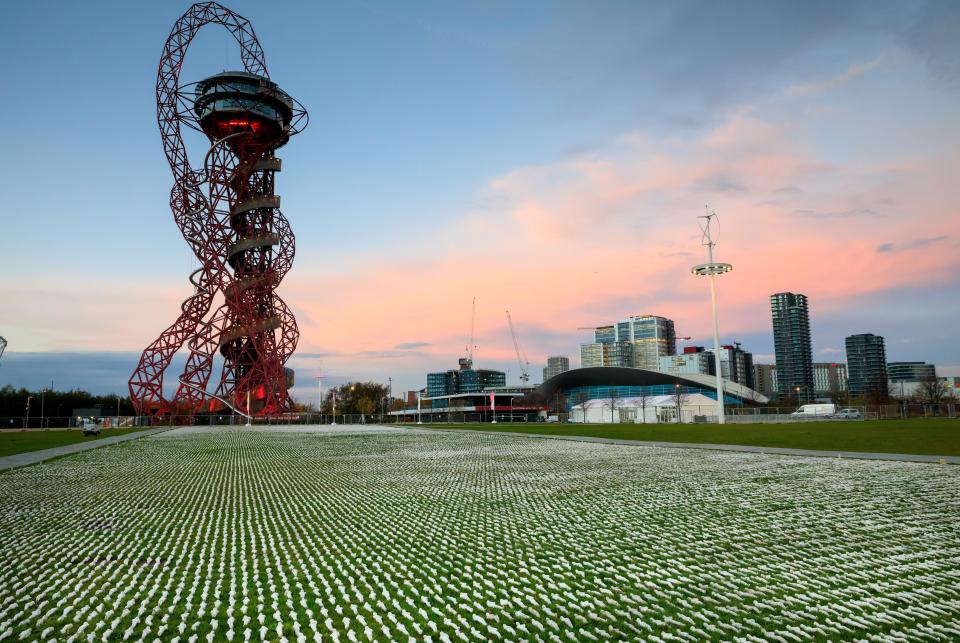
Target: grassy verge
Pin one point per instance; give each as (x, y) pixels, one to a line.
(915, 436)
(13, 442)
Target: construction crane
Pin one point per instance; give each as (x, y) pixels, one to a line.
(521, 359)
(467, 362)
(3, 345)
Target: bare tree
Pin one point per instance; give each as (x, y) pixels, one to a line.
(933, 390)
(644, 400)
(581, 399)
(680, 398)
(614, 396)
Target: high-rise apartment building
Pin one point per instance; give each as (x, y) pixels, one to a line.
(866, 365)
(791, 343)
(910, 371)
(555, 366)
(829, 379)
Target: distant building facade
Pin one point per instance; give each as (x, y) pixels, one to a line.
(555, 366)
(466, 379)
(910, 371)
(606, 354)
(866, 365)
(764, 379)
(693, 360)
(829, 379)
(791, 340)
(736, 365)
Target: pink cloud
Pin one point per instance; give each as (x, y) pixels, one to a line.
(584, 241)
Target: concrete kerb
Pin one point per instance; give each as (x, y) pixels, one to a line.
(18, 460)
(850, 455)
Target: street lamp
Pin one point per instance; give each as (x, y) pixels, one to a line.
(419, 418)
(676, 398)
(43, 393)
(26, 420)
(319, 379)
(334, 393)
(712, 269)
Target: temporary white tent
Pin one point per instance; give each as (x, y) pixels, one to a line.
(658, 408)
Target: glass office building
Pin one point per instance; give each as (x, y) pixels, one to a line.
(910, 371)
(463, 380)
(635, 342)
(652, 337)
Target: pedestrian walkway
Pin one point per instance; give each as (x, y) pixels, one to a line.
(854, 455)
(33, 457)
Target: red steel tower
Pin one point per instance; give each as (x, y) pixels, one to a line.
(230, 217)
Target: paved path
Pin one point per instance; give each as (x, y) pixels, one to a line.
(901, 457)
(33, 457)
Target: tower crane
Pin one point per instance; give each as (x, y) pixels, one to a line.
(521, 359)
(468, 361)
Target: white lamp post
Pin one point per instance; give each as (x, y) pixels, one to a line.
(319, 379)
(419, 419)
(334, 409)
(712, 269)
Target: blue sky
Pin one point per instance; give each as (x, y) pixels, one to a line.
(546, 157)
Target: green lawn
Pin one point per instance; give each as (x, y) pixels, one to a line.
(12, 442)
(917, 436)
(210, 534)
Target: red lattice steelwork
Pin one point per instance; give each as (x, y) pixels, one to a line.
(230, 217)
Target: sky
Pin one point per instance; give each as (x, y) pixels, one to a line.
(547, 158)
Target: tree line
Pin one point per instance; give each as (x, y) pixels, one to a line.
(13, 402)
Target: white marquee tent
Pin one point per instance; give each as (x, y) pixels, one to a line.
(657, 408)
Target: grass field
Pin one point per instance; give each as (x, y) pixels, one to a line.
(12, 442)
(350, 535)
(915, 436)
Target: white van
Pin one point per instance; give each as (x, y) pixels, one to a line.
(815, 410)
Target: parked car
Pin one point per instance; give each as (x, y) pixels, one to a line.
(849, 414)
(90, 427)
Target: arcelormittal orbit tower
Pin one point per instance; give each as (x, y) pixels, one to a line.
(229, 215)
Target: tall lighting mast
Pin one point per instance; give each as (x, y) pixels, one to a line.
(712, 269)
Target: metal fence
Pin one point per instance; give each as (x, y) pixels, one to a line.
(734, 415)
(37, 423)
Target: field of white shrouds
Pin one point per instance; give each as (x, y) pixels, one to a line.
(357, 535)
